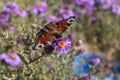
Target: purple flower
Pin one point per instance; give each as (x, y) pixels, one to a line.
(95, 61)
(10, 7)
(71, 35)
(49, 49)
(116, 9)
(106, 4)
(51, 18)
(88, 9)
(78, 11)
(21, 12)
(82, 50)
(80, 42)
(86, 78)
(115, 2)
(2, 56)
(85, 2)
(66, 12)
(90, 2)
(12, 59)
(80, 2)
(4, 16)
(94, 19)
(63, 45)
(40, 7)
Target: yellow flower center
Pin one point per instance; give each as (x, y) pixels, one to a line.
(12, 56)
(64, 10)
(62, 44)
(40, 5)
(118, 7)
(52, 18)
(1, 15)
(20, 9)
(10, 6)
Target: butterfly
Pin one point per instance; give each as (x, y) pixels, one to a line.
(51, 31)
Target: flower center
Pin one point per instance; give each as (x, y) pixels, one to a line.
(52, 18)
(62, 44)
(64, 10)
(1, 15)
(20, 9)
(12, 56)
(9, 6)
(118, 7)
(40, 5)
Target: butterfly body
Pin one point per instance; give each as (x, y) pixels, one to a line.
(51, 31)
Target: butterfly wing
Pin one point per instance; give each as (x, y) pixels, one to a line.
(64, 24)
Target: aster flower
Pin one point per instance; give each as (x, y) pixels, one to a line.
(80, 2)
(95, 61)
(40, 7)
(71, 35)
(89, 9)
(21, 12)
(94, 19)
(90, 2)
(82, 50)
(78, 11)
(51, 18)
(86, 78)
(49, 49)
(80, 42)
(66, 12)
(116, 9)
(63, 45)
(12, 59)
(106, 4)
(115, 2)
(10, 7)
(4, 16)
(85, 2)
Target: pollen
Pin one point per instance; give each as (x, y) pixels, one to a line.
(62, 44)
(52, 18)
(2, 15)
(12, 56)
(10, 6)
(20, 9)
(118, 7)
(40, 5)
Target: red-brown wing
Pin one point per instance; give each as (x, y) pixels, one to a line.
(43, 36)
(53, 30)
(62, 26)
(44, 39)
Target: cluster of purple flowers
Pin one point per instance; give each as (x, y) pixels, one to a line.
(12, 59)
(11, 7)
(89, 6)
(82, 6)
(65, 11)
